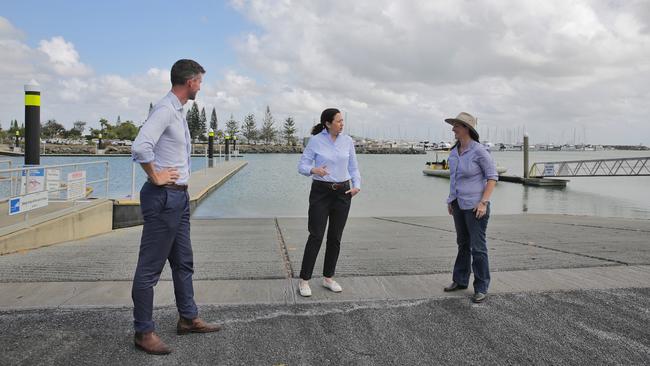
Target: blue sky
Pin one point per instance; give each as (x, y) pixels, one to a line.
(129, 37)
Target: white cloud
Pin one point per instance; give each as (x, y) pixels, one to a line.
(238, 85)
(549, 65)
(63, 57)
(72, 90)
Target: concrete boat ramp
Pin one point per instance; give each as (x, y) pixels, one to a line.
(565, 290)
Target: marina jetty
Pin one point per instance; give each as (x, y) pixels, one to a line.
(126, 212)
(564, 290)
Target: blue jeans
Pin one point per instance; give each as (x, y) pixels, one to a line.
(165, 237)
(472, 248)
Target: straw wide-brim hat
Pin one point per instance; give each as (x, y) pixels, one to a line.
(466, 119)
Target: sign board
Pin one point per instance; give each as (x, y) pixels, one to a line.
(27, 202)
(53, 182)
(35, 182)
(76, 185)
(549, 170)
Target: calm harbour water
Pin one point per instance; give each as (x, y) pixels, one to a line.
(393, 185)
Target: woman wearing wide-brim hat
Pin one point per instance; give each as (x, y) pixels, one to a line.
(473, 176)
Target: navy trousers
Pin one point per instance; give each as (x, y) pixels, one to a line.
(472, 248)
(165, 237)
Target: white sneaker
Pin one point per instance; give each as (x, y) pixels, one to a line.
(305, 290)
(332, 285)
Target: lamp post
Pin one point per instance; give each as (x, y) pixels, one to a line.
(210, 148)
(227, 152)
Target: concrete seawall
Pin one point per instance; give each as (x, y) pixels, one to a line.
(78, 221)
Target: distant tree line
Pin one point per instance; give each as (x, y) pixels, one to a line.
(52, 129)
(267, 133)
(196, 120)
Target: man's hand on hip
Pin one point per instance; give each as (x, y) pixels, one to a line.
(165, 176)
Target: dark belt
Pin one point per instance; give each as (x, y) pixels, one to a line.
(335, 186)
(176, 187)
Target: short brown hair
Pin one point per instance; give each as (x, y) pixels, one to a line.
(184, 70)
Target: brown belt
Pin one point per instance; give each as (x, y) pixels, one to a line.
(335, 186)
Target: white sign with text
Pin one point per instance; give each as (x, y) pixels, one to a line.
(27, 202)
(76, 185)
(53, 182)
(549, 170)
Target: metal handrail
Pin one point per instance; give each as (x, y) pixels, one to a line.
(54, 166)
(591, 160)
(593, 168)
(37, 167)
(9, 163)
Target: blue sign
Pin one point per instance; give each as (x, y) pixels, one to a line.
(33, 180)
(34, 172)
(14, 206)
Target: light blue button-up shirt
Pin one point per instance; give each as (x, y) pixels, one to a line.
(338, 156)
(469, 173)
(164, 139)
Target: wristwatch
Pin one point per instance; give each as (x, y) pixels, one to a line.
(485, 202)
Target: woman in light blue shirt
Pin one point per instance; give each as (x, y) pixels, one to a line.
(331, 161)
(473, 176)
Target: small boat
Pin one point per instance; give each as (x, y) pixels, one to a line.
(440, 167)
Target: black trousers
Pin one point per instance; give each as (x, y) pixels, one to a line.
(325, 204)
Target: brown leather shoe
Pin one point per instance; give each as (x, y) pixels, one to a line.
(196, 325)
(151, 343)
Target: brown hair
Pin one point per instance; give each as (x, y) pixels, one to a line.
(184, 70)
(327, 116)
(472, 134)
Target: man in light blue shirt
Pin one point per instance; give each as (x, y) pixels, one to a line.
(162, 148)
(164, 140)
